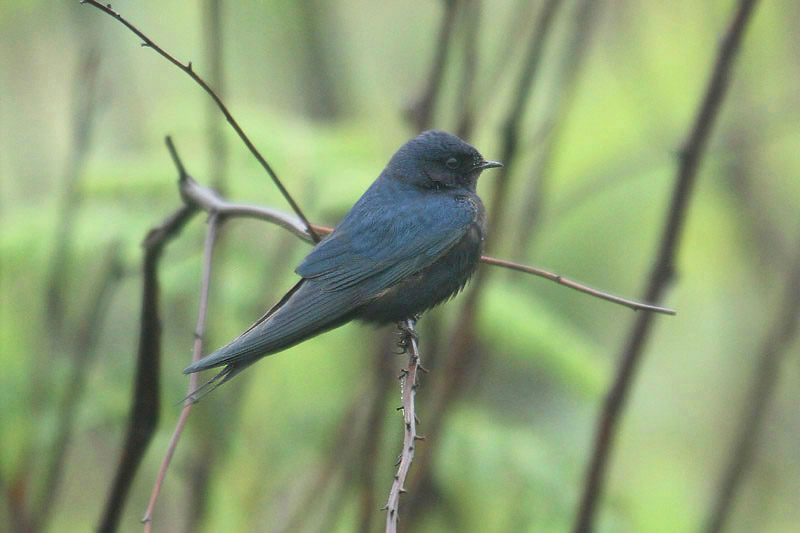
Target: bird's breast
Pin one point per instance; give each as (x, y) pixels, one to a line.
(436, 283)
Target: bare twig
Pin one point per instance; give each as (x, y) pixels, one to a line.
(773, 350)
(561, 280)
(205, 452)
(211, 202)
(199, 334)
(663, 267)
(421, 110)
(84, 349)
(187, 68)
(143, 417)
(408, 381)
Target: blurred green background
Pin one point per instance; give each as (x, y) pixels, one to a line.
(322, 89)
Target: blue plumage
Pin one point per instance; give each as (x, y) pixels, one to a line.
(410, 242)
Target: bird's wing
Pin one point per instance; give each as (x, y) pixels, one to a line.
(394, 241)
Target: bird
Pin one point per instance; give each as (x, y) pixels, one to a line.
(411, 242)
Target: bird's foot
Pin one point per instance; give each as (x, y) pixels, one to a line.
(407, 334)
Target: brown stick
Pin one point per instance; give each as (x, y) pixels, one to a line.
(199, 334)
(143, 417)
(408, 382)
(187, 68)
(663, 267)
(561, 280)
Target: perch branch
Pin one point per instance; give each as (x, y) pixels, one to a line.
(199, 334)
(561, 280)
(663, 267)
(188, 69)
(408, 380)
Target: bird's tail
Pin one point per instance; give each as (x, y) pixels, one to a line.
(301, 314)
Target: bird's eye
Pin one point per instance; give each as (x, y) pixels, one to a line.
(451, 163)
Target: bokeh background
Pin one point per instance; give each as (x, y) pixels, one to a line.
(306, 440)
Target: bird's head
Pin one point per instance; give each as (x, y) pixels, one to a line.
(438, 160)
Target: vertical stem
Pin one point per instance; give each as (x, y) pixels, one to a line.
(409, 385)
(663, 268)
(199, 333)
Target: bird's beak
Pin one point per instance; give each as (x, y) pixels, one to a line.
(488, 164)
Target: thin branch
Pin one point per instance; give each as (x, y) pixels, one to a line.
(187, 68)
(773, 350)
(561, 280)
(199, 334)
(143, 417)
(663, 267)
(408, 381)
(211, 202)
(205, 453)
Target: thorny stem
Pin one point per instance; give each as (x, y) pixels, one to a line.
(408, 381)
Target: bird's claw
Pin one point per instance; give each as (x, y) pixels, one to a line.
(407, 334)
